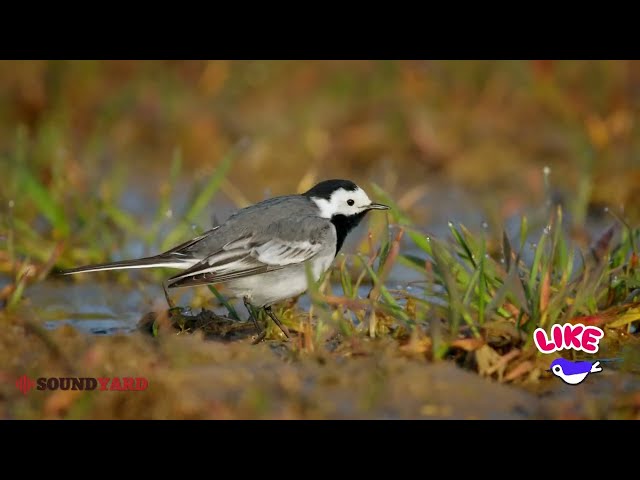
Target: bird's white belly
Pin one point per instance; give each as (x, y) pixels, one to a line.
(268, 288)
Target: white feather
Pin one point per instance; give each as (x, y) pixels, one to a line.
(181, 265)
(338, 203)
(277, 252)
(274, 252)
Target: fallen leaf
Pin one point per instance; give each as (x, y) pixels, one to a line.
(417, 346)
(486, 358)
(519, 370)
(468, 344)
(503, 362)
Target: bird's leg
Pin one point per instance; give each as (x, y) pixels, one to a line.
(261, 333)
(249, 308)
(282, 327)
(166, 295)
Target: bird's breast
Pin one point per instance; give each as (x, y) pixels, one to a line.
(271, 287)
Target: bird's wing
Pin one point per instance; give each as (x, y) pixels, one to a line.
(180, 249)
(257, 253)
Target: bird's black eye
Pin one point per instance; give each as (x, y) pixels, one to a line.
(350, 202)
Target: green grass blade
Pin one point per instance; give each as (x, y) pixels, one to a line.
(345, 280)
(211, 187)
(44, 201)
(165, 195)
(456, 307)
(482, 283)
(471, 287)
(412, 261)
(524, 231)
(506, 250)
(384, 292)
(463, 243)
(176, 166)
(123, 220)
(222, 299)
(536, 265)
(395, 211)
(202, 199)
(421, 240)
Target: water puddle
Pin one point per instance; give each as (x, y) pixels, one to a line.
(99, 309)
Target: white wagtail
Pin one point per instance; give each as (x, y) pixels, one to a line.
(260, 252)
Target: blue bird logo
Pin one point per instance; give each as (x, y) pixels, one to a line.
(573, 373)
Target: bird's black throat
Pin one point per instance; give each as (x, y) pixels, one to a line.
(344, 224)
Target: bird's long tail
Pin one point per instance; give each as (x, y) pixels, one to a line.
(148, 262)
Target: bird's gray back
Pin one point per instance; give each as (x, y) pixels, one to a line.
(290, 218)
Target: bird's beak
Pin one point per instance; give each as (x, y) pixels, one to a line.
(377, 206)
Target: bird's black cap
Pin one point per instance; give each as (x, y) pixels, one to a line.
(326, 188)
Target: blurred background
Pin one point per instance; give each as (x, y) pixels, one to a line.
(435, 134)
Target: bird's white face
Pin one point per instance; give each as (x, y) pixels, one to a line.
(346, 202)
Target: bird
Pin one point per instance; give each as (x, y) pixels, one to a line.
(260, 253)
(573, 373)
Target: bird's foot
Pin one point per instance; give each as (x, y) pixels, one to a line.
(259, 338)
(262, 333)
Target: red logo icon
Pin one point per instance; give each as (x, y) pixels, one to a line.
(25, 384)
